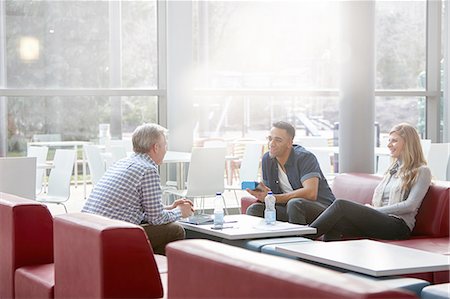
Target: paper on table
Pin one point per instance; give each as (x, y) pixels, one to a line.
(277, 226)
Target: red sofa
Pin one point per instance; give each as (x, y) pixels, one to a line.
(207, 269)
(431, 232)
(26, 241)
(74, 255)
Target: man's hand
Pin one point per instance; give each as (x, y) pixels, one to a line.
(178, 202)
(186, 209)
(185, 205)
(260, 193)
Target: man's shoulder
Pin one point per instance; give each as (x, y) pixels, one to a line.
(301, 151)
(139, 162)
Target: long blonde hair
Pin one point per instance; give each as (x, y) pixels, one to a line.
(412, 156)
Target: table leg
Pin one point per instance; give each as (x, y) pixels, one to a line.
(180, 176)
(76, 165)
(84, 172)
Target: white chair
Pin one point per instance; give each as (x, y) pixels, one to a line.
(383, 163)
(118, 152)
(59, 178)
(323, 156)
(249, 169)
(95, 162)
(205, 174)
(438, 160)
(426, 144)
(40, 153)
(18, 176)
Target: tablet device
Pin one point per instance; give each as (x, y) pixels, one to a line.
(198, 219)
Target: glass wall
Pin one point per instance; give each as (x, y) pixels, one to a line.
(266, 44)
(93, 62)
(400, 39)
(292, 46)
(80, 44)
(390, 110)
(250, 116)
(73, 118)
(66, 47)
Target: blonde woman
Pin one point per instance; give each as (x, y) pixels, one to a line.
(395, 202)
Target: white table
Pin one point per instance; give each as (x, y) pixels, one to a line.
(368, 257)
(238, 227)
(74, 145)
(180, 158)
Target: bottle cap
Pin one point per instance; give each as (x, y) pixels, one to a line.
(218, 193)
(270, 193)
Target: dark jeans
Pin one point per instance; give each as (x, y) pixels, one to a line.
(349, 219)
(297, 210)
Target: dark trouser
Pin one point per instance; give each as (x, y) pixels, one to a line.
(160, 235)
(349, 219)
(297, 210)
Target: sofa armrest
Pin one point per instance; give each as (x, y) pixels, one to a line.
(246, 202)
(115, 258)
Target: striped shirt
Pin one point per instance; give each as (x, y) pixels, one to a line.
(130, 190)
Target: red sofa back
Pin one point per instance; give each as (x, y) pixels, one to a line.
(26, 238)
(432, 220)
(207, 269)
(97, 257)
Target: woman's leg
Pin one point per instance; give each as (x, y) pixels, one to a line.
(350, 219)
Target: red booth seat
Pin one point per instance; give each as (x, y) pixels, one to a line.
(97, 257)
(432, 220)
(26, 240)
(207, 269)
(431, 232)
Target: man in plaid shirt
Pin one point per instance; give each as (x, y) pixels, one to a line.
(130, 190)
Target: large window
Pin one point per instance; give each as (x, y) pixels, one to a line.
(73, 118)
(246, 49)
(89, 62)
(400, 32)
(69, 44)
(266, 44)
(67, 66)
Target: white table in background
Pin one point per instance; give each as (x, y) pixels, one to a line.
(368, 257)
(73, 144)
(238, 227)
(180, 158)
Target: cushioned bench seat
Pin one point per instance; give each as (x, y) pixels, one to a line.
(206, 269)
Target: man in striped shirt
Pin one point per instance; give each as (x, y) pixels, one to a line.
(130, 190)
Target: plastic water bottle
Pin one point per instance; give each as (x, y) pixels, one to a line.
(269, 212)
(218, 211)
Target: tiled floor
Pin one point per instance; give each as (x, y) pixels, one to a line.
(77, 201)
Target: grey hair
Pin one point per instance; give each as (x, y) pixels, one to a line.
(146, 135)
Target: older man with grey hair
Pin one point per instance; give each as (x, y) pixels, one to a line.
(130, 190)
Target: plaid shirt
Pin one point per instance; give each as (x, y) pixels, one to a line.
(130, 190)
